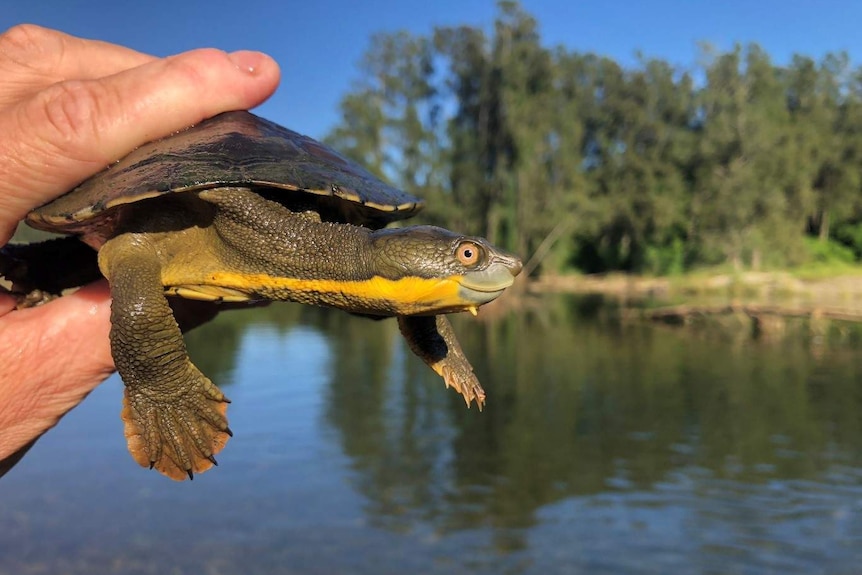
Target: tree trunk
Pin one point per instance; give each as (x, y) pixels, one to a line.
(756, 259)
(492, 224)
(823, 233)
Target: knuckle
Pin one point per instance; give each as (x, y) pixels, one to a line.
(70, 113)
(196, 66)
(25, 43)
(31, 48)
(25, 38)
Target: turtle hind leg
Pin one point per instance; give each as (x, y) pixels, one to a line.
(174, 415)
(433, 340)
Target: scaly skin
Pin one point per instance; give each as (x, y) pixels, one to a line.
(433, 340)
(232, 244)
(174, 416)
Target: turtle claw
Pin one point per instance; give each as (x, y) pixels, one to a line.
(460, 376)
(478, 403)
(191, 474)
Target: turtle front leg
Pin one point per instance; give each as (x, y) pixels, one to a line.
(174, 415)
(433, 340)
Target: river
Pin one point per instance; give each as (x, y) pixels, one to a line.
(606, 447)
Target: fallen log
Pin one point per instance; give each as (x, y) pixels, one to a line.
(681, 313)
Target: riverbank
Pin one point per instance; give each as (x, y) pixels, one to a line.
(775, 293)
(844, 287)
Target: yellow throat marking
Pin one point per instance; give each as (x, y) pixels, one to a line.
(406, 295)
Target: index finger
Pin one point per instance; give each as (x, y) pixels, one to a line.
(32, 58)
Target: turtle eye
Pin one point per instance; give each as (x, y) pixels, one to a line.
(469, 253)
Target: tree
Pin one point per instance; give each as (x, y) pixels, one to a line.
(584, 163)
(741, 202)
(390, 119)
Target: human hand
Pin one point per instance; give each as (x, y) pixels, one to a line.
(68, 108)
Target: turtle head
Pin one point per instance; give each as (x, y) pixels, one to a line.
(440, 271)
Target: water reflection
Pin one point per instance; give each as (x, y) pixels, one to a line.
(584, 407)
(606, 446)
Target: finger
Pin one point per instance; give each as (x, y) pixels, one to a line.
(32, 58)
(71, 130)
(7, 303)
(53, 356)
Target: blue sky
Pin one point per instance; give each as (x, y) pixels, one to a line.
(319, 42)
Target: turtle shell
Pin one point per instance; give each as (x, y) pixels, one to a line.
(232, 149)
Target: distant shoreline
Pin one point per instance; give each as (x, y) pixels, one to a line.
(779, 292)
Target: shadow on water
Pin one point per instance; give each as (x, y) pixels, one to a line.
(606, 446)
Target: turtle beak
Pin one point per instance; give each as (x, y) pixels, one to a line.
(482, 286)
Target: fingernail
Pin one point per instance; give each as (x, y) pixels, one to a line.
(247, 60)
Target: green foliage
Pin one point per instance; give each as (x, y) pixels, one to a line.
(828, 252)
(583, 163)
(666, 260)
(849, 234)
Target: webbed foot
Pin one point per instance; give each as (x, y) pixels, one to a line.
(179, 435)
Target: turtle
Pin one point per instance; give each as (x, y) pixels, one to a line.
(240, 209)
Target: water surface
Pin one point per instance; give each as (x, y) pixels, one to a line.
(605, 447)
